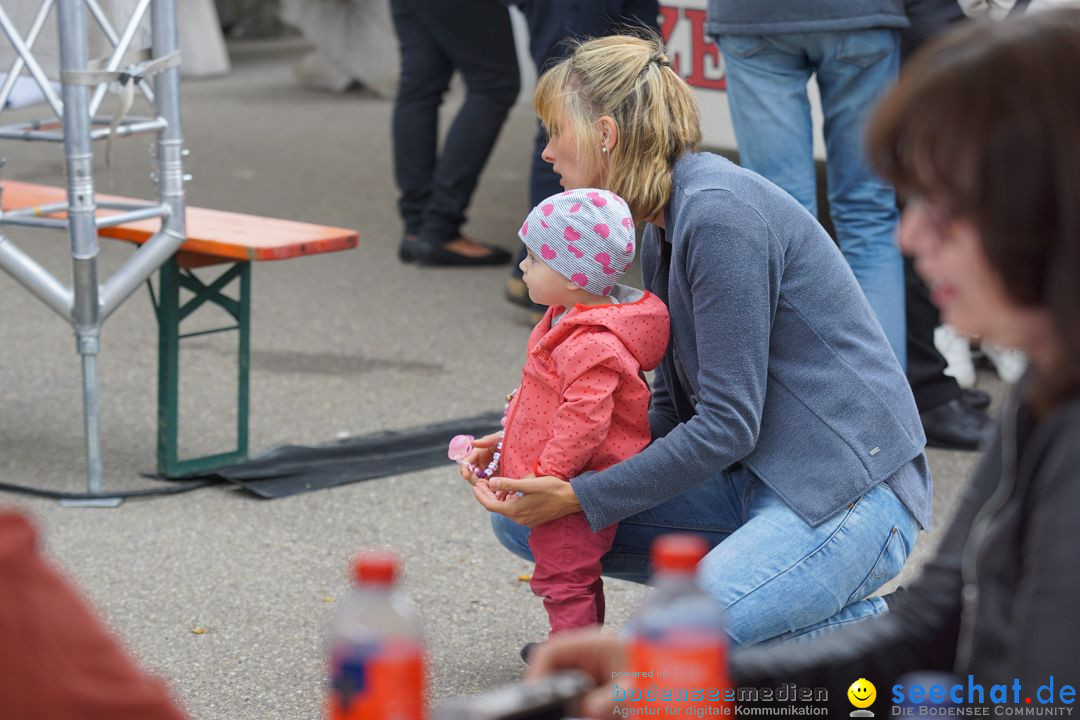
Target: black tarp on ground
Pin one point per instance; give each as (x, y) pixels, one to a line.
(293, 469)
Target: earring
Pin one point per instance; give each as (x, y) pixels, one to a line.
(603, 148)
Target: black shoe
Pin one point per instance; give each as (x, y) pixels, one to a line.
(954, 425)
(435, 254)
(528, 649)
(517, 293)
(893, 599)
(407, 249)
(976, 399)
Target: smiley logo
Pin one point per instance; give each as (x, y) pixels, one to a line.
(862, 694)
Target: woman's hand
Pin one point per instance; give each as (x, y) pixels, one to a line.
(482, 452)
(597, 654)
(542, 499)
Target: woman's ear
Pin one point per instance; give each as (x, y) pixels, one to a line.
(609, 133)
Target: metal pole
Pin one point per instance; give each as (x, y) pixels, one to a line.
(38, 222)
(170, 181)
(35, 211)
(137, 269)
(35, 278)
(82, 227)
(170, 150)
(130, 128)
(134, 215)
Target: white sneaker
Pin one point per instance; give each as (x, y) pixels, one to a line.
(957, 352)
(1010, 364)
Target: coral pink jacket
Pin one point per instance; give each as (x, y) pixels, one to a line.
(583, 403)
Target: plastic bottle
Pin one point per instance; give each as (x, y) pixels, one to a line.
(678, 648)
(377, 664)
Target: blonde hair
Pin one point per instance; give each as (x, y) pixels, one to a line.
(630, 79)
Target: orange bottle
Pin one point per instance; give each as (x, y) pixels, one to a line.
(377, 665)
(678, 648)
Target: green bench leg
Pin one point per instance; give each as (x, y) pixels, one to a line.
(170, 314)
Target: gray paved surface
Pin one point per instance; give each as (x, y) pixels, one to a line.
(348, 343)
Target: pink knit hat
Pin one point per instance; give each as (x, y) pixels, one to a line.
(585, 235)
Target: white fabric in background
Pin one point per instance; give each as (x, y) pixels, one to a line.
(201, 43)
(355, 38)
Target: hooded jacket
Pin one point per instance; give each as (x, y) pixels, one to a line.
(583, 403)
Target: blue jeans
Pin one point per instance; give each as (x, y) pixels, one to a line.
(770, 110)
(778, 578)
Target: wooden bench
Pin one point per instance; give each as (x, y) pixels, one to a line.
(214, 237)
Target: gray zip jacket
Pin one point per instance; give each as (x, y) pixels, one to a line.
(996, 602)
(775, 360)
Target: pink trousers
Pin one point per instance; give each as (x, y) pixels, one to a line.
(567, 574)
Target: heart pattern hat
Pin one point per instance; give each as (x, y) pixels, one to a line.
(585, 235)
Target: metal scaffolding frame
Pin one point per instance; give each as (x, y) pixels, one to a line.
(87, 304)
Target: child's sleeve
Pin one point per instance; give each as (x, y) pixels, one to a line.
(592, 371)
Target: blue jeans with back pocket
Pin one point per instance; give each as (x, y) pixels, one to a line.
(770, 110)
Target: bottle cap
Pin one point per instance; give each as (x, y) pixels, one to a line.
(678, 552)
(375, 568)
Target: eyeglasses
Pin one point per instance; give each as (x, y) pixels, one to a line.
(939, 215)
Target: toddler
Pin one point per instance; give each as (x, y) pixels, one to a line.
(583, 401)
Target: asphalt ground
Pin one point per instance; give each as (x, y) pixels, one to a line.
(343, 344)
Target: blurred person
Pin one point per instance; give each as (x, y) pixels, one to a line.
(58, 662)
(851, 48)
(783, 429)
(583, 402)
(436, 38)
(982, 135)
(553, 26)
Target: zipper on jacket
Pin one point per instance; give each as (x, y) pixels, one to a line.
(981, 528)
(516, 400)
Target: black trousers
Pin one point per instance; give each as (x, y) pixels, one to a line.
(553, 26)
(926, 366)
(437, 37)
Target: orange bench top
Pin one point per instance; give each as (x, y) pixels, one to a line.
(212, 235)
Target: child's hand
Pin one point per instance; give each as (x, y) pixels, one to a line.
(487, 442)
(480, 458)
(482, 452)
(467, 474)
